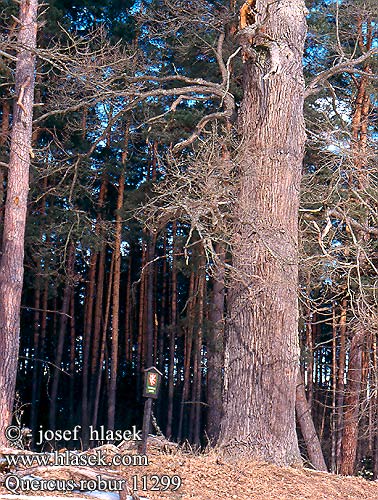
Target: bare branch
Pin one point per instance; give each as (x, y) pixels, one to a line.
(219, 56)
(200, 126)
(8, 56)
(352, 222)
(347, 66)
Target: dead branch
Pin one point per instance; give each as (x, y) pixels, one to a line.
(347, 66)
(352, 222)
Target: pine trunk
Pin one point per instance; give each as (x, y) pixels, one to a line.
(97, 386)
(340, 381)
(115, 306)
(197, 382)
(352, 403)
(12, 258)
(215, 353)
(72, 360)
(262, 355)
(187, 356)
(61, 337)
(172, 334)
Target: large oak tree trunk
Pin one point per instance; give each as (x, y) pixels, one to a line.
(262, 347)
(12, 259)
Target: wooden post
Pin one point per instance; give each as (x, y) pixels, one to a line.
(146, 424)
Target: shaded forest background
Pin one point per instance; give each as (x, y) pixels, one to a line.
(128, 255)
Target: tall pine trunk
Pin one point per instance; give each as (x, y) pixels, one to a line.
(352, 402)
(115, 306)
(68, 290)
(172, 333)
(262, 347)
(215, 352)
(12, 259)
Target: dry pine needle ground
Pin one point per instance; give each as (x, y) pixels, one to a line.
(208, 477)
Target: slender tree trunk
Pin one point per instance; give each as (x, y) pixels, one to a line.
(116, 287)
(41, 353)
(163, 308)
(128, 323)
(36, 333)
(115, 305)
(197, 383)
(141, 321)
(262, 354)
(61, 337)
(151, 243)
(334, 389)
(374, 404)
(90, 305)
(72, 360)
(340, 381)
(310, 366)
(97, 391)
(352, 403)
(215, 352)
(308, 430)
(187, 356)
(172, 334)
(12, 258)
(88, 316)
(98, 311)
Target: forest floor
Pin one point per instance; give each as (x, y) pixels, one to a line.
(208, 477)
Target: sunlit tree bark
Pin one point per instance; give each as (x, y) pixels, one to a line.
(262, 346)
(12, 258)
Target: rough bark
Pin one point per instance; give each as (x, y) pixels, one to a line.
(3, 142)
(262, 347)
(11, 266)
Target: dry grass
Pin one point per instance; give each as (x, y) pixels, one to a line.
(208, 477)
